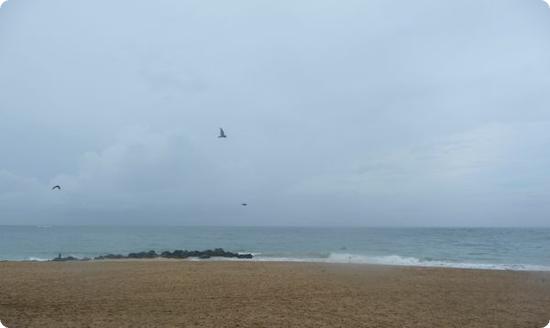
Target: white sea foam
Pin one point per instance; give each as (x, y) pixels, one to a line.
(36, 259)
(392, 260)
(396, 260)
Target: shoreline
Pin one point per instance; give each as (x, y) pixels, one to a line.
(458, 266)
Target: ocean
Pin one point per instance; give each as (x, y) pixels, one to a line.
(475, 248)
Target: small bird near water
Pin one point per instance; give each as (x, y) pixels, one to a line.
(222, 134)
(56, 187)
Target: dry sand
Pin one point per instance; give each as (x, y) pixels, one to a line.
(252, 294)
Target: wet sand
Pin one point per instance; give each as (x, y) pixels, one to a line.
(252, 294)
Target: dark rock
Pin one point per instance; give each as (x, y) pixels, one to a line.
(177, 254)
(110, 257)
(143, 255)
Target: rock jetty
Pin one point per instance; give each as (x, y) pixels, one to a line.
(177, 254)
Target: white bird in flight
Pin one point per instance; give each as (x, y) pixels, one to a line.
(547, 2)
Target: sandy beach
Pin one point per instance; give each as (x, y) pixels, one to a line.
(252, 294)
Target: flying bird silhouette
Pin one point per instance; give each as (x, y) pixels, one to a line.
(244, 204)
(222, 132)
(56, 187)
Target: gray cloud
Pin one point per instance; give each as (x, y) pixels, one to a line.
(368, 113)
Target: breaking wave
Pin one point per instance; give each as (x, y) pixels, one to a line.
(396, 260)
(36, 259)
(343, 258)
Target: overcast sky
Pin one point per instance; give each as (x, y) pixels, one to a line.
(357, 112)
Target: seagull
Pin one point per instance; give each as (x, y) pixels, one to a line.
(54, 187)
(547, 2)
(223, 135)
